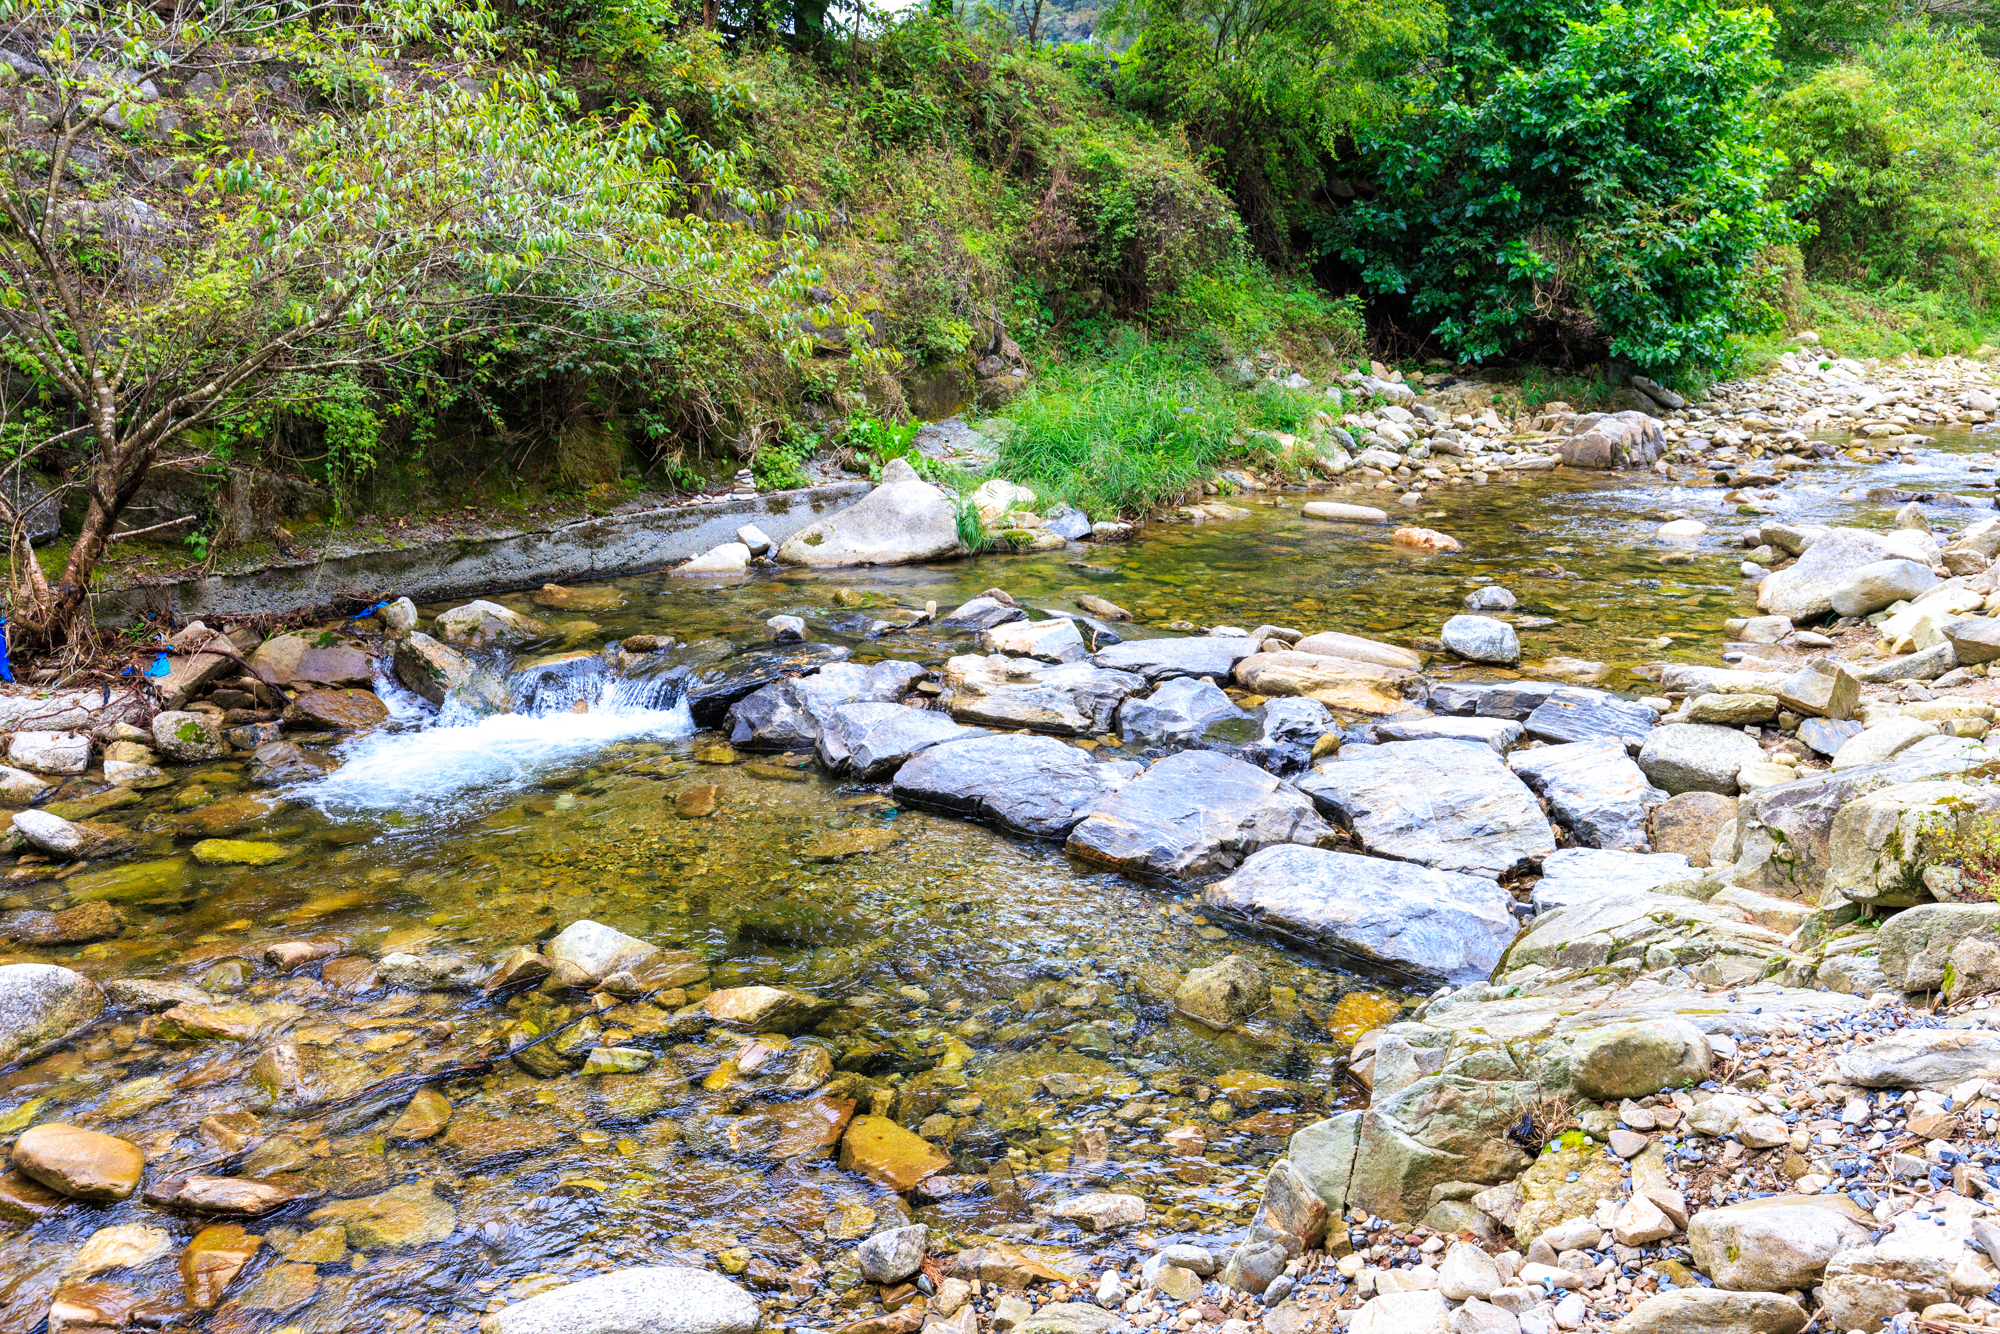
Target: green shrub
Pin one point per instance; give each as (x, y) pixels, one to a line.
(1895, 161)
(1608, 200)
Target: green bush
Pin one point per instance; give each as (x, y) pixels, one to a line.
(1895, 161)
(1606, 201)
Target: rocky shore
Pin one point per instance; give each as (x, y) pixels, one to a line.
(1680, 1015)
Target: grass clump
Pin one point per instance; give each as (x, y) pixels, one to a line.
(1123, 434)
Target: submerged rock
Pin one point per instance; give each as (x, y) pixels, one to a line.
(1410, 920)
(1194, 813)
(40, 1006)
(1224, 994)
(1036, 785)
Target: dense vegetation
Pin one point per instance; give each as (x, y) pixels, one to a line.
(273, 264)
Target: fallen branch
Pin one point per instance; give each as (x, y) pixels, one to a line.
(141, 532)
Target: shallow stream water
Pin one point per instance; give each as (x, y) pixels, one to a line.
(1014, 1003)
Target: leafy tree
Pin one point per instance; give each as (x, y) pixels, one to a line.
(459, 205)
(1269, 89)
(1895, 161)
(1607, 199)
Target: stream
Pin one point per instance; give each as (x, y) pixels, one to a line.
(1015, 1004)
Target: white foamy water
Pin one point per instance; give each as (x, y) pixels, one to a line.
(444, 757)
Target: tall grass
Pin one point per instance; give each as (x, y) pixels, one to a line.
(1129, 431)
(1119, 435)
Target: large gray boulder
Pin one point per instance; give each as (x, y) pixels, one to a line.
(1714, 1311)
(40, 1006)
(1783, 841)
(665, 1299)
(710, 690)
(1159, 659)
(1585, 875)
(790, 714)
(1878, 846)
(1442, 803)
(1804, 590)
(1633, 1060)
(1181, 709)
(1720, 944)
(1874, 586)
(872, 740)
(1034, 784)
(1571, 714)
(1194, 814)
(1914, 947)
(482, 624)
(1776, 1244)
(1593, 789)
(1408, 920)
(1697, 757)
(1932, 1058)
(1605, 440)
(904, 519)
(1072, 698)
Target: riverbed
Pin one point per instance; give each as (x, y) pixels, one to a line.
(1015, 1004)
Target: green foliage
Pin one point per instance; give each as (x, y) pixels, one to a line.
(1968, 840)
(1609, 200)
(1896, 163)
(1886, 321)
(1269, 89)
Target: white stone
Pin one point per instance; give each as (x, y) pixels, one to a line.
(597, 949)
(668, 1299)
(729, 558)
(50, 752)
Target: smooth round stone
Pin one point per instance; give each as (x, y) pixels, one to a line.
(83, 1164)
(1481, 639)
(1335, 512)
(1683, 528)
(1490, 598)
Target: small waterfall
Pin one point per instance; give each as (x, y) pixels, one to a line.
(564, 711)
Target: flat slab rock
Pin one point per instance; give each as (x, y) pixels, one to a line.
(873, 740)
(1446, 804)
(1195, 813)
(1035, 785)
(1394, 916)
(1574, 714)
(1071, 699)
(1583, 875)
(665, 1299)
(1593, 789)
(1159, 659)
